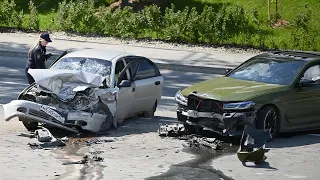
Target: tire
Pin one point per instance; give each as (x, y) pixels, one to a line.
(29, 124)
(268, 117)
(150, 114)
(181, 118)
(103, 109)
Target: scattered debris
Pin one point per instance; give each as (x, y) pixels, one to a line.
(92, 141)
(30, 135)
(96, 152)
(65, 139)
(84, 160)
(97, 158)
(43, 135)
(212, 143)
(52, 144)
(173, 130)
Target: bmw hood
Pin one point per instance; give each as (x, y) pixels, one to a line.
(229, 89)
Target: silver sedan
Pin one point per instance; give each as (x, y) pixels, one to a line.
(90, 89)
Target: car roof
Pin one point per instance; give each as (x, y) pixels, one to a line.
(98, 54)
(296, 55)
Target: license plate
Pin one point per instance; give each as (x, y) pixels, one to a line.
(193, 113)
(52, 113)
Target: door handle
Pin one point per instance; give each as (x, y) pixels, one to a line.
(133, 89)
(157, 83)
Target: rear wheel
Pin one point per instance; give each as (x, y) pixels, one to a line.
(150, 114)
(268, 118)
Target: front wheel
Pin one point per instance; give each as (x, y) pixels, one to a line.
(107, 124)
(29, 124)
(268, 118)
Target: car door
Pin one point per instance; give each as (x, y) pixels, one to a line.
(149, 84)
(126, 96)
(303, 104)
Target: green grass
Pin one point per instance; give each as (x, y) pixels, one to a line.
(290, 8)
(278, 37)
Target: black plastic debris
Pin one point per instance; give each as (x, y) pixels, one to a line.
(252, 144)
(173, 130)
(97, 158)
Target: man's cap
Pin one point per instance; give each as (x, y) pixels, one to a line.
(45, 36)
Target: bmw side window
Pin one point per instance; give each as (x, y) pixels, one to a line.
(146, 70)
(313, 73)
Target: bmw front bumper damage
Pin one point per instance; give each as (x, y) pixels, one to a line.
(228, 123)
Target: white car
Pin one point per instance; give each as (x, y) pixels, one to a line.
(89, 90)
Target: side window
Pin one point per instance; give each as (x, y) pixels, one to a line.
(146, 70)
(119, 67)
(313, 73)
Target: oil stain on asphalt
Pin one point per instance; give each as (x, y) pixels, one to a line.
(199, 167)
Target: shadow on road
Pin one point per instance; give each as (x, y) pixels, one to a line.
(295, 139)
(263, 165)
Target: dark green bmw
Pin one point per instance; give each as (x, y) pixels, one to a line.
(279, 91)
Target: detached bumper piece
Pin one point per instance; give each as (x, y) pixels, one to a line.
(210, 115)
(252, 145)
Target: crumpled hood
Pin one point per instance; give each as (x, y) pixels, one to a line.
(229, 89)
(65, 83)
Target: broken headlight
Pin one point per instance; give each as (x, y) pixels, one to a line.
(239, 105)
(181, 99)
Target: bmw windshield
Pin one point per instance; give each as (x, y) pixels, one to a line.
(89, 65)
(271, 70)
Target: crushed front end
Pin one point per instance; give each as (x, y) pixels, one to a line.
(70, 100)
(224, 118)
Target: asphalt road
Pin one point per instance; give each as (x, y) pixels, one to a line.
(138, 152)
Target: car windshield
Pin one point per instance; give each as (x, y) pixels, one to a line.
(272, 70)
(89, 65)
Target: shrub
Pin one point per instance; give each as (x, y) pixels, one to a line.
(33, 20)
(174, 23)
(153, 19)
(8, 14)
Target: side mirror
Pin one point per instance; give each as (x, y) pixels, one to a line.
(227, 70)
(306, 83)
(125, 83)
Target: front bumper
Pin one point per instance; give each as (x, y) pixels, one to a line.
(226, 124)
(60, 118)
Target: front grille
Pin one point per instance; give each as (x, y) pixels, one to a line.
(204, 105)
(39, 114)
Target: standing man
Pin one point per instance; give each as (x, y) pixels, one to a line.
(37, 55)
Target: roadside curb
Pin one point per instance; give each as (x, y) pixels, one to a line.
(166, 66)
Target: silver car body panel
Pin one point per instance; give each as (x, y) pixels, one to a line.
(65, 84)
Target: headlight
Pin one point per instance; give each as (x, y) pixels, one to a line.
(181, 99)
(239, 105)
